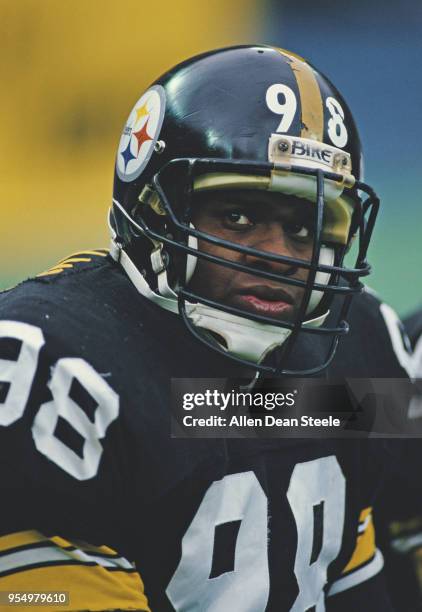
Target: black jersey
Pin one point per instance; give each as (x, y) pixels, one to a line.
(97, 497)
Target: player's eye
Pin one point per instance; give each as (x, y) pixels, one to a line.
(297, 229)
(239, 218)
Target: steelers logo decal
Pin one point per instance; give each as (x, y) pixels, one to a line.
(140, 134)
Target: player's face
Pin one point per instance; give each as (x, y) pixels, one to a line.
(266, 221)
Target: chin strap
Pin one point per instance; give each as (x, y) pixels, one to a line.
(240, 336)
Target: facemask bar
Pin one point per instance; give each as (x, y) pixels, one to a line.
(363, 227)
(286, 350)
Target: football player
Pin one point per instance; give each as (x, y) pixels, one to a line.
(399, 511)
(237, 196)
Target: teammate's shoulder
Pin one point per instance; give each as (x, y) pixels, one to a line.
(367, 315)
(368, 302)
(373, 313)
(413, 325)
(377, 340)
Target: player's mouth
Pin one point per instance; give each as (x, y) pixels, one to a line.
(261, 299)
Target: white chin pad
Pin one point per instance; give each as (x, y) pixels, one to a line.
(326, 258)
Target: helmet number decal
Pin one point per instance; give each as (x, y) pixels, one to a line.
(287, 108)
(336, 129)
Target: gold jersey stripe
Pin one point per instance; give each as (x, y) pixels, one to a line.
(21, 538)
(76, 260)
(32, 537)
(60, 267)
(55, 270)
(69, 260)
(366, 512)
(66, 264)
(90, 588)
(310, 97)
(50, 272)
(365, 545)
(106, 550)
(101, 550)
(362, 574)
(95, 252)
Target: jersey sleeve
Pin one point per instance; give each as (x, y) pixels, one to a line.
(62, 471)
(399, 511)
(89, 577)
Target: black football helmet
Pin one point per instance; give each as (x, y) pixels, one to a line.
(246, 117)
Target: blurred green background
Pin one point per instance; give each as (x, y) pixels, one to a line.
(71, 71)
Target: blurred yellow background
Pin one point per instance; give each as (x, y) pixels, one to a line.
(71, 71)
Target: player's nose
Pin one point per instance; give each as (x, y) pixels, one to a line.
(272, 239)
